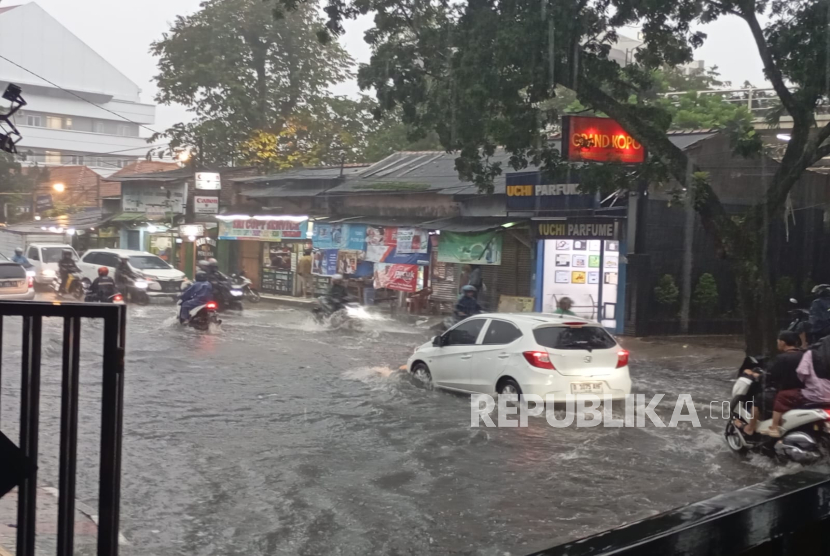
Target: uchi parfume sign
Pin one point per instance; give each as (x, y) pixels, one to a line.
(589, 139)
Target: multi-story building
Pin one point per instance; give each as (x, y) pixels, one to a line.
(91, 118)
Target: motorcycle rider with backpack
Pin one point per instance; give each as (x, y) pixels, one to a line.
(66, 266)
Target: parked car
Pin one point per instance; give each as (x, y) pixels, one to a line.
(44, 258)
(162, 279)
(15, 282)
(526, 353)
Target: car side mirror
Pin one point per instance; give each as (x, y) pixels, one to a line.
(437, 341)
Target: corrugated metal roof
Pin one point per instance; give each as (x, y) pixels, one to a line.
(315, 173)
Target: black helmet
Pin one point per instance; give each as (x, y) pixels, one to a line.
(18, 250)
(203, 265)
(201, 276)
(213, 263)
(66, 253)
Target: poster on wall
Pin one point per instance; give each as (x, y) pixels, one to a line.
(279, 257)
(563, 245)
(399, 277)
(580, 261)
(339, 236)
(563, 260)
(611, 262)
(593, 261)
(389, 254)
(578, 277)
(263, 230)
(612, 246)
(563, 277)
(412, 240)
(152, 199)
(593, 277)
(381, 235)
(580, 245)
(611, 278)
(348, 261)
(593, 245)
(324, 262)
(480, 248)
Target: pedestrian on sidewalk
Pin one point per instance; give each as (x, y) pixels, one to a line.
(304, 272)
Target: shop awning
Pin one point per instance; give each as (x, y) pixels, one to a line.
(470, 224)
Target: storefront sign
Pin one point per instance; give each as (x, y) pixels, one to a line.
(526, 192)
(208, 181)
(599, 140)
(205, 205)
(481, 248)
(412, 240)
(340, 236)
(152, 199)
(44, 202)
(576, 228)
(324, 262)
(205, 248)
(188, 230)
(263, 230)
(399, 277)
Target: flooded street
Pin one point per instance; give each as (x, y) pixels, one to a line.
(278, 436)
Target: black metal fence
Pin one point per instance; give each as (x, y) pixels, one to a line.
(788, 515)
(114, 319)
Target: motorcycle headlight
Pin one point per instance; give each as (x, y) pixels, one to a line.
(141, 284)
(236, 293)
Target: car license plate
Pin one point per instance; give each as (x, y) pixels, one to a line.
(586, 388)
(8, 284)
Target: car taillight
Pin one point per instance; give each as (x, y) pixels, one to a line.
(31, 282)
(539, 359)
(622, 358)
(211, 305)
(118, 297)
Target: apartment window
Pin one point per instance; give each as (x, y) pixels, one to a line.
(98, 127)
(67, 123)
(77, 160)
(99, 162)
(54, 122)
(33, 121)
(53, 157)
(123, 130)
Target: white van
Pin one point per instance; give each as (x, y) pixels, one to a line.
(44, 257)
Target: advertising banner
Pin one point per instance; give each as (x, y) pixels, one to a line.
(205, 205)
(480, 248)
(208, 181)
(399, 277)
(348, 260)
(152, 199)
(44, 202)
(340, 236)
(382, 235)
(527, 192)
(412, 240)
(387, 254)
(263, 230)
(324, 262)
(587, 138)
(577, 228)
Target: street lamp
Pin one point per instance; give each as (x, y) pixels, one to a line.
(59, 187)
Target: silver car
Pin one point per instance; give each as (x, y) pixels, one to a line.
(16, 284)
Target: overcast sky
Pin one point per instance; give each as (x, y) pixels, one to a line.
(122, 30)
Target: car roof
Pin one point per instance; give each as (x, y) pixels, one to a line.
(61, 245)
(127, 252)
(536, 319)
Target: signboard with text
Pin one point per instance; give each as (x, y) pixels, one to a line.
(399, 277)
(576, 228)
(152, 199)
(263, 230)
(591, 139)
(526, 192)
(208, 181)
(203, 204)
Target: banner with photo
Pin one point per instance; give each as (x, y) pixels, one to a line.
(348, 260)
(479, 248)
(324, 262)
(399, 277)
(412, 240)
(389, 254)
(340, 236)
(382, 235)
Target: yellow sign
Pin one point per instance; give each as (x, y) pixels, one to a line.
(516, 304)
(578, 277)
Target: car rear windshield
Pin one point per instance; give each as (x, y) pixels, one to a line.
(11, 271)
(53, 254)
(148, 263)
(574, 337)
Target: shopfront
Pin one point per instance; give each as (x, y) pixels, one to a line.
(268, 249)
(579, 258)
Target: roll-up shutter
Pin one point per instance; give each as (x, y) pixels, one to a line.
(512, 276)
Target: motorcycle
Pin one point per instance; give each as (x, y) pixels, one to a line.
(228, 296)
(349, 312)
(135, 289)
(799, 318)
(76, 286)
(244, 283)
(805, 432)
(114, 298)
(201, 317)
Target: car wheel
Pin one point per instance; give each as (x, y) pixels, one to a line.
(509, 386)
(421, 372)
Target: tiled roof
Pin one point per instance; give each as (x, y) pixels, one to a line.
(81, 185)
(113, 188)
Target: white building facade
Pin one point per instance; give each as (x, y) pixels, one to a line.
(59, 128)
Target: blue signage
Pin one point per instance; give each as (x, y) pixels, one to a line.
(526, 192)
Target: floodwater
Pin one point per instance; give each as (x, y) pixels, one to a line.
(275, 435)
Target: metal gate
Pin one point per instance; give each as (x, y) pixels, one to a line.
(109, 486)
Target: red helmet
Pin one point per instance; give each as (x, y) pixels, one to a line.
(103, 271)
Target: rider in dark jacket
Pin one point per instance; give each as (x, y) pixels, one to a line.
(66, 266)
(198, 293)
(337, 294)
(467, 305)
(103, 287)
(820, 314)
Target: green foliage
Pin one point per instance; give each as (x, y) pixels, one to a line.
(666, 292)
(705, 297)
(243, 74)
(18, 183)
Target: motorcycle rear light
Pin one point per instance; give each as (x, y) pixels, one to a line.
(211, 305)
(622, 358)
(539, 359)
(31, 282)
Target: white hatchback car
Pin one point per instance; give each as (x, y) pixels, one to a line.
(162, 280)
(528, 353)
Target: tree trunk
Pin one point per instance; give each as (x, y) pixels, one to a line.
(757, 303)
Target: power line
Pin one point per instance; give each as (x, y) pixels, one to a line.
(77, 95)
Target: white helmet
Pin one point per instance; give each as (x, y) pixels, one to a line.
(337, 277)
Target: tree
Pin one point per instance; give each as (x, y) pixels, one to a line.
(17, 184)
(666, 293)
(243, 74)
(705, 298)
(479, 72)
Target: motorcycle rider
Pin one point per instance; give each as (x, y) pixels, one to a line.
(103, 287)
(20, 259)
(66, 266)
(467, 304)
(198, 293)
(221, 284)
(337, 294)
(820, 313)
(814, 373)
